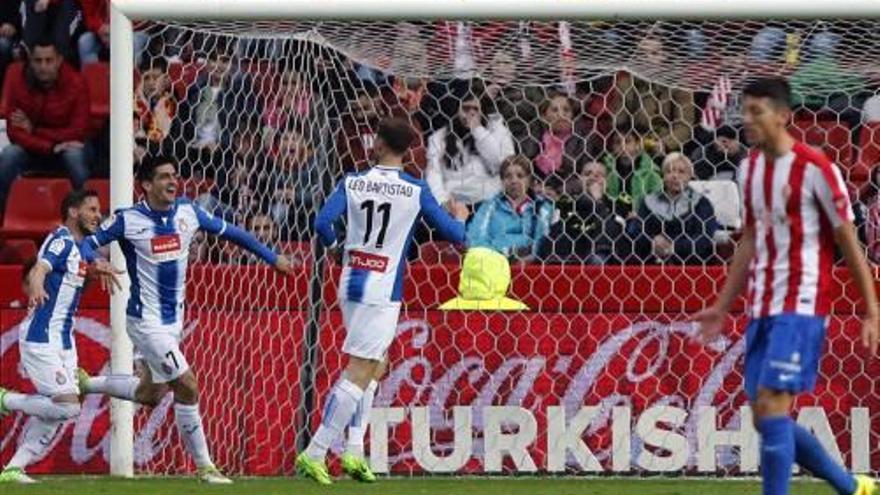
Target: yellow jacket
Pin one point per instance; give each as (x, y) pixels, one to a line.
(485, 279)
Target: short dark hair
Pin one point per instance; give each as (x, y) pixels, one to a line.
(75, 199)
(43, 41)
(776, 89)
(397, 134)
(147, 170)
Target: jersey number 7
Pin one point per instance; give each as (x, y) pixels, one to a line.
(385, 209)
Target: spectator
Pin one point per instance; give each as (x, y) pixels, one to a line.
(244, 175)
(631, 174)
(290, 103)
(94, 43)
(49, 114)
(299, 185)
(591, 226)
(555, 146)
(53, 18)
(676, 225)
(464, 157)
(661, 112)
(518, 104)
(720, 158)
(265, 230)
(355, 137)
(213, 107)
(10, 31)
(515, 221)
(154, 104)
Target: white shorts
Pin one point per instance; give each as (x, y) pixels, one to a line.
(159, 347)
(369, 328)
(52, 370)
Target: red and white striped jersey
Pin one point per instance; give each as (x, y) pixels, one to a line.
(794, 202)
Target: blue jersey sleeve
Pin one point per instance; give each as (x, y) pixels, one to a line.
(56, 253)
(330, 212)
(246, 240)
(208, 222)
(450, 229)
(111, 229)
(217, 226)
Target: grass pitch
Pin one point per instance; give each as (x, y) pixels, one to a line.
(76, 485)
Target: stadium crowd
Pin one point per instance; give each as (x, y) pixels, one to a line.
(611, 169)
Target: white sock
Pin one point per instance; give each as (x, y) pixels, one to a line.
(35, 440)
(338, 410)
(189, 425)
(119, 386)
(358, 426)
(40, 406)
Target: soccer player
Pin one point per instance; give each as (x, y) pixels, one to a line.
(381, 207)
(155, 236)
(46, 345)
(796, 209)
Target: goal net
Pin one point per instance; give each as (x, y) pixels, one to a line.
(600, 374)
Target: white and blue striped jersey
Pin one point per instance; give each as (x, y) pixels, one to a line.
(381, 207)
(52, 322)
(156, 249)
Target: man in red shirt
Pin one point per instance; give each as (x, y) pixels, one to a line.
(48, 117)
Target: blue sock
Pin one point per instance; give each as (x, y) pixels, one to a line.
(777, 453)
(811, 456)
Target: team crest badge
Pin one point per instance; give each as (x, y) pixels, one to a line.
(182, 226)
(60, 378)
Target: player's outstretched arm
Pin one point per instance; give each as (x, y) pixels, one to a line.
(845, 236)
(711, 319)
(451, 229)
(241, 237)
(330, 212)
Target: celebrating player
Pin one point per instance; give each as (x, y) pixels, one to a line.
(381, 207)
(45, 341)
(155, 237)
(796, 208)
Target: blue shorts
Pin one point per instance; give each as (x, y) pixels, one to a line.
(782, 353)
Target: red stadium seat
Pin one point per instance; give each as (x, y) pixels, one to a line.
(17, 251)
(102, 187)
(32, 209)
(831, 136)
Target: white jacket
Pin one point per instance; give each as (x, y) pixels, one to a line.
(475, 178)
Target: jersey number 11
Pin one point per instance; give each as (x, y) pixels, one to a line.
(385, 210)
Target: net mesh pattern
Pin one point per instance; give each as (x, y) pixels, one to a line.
(266, 117)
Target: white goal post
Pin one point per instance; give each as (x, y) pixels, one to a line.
(125, 12)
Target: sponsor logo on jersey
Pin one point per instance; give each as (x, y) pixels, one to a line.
(56, 246)
(367, 261)
(165, 247)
